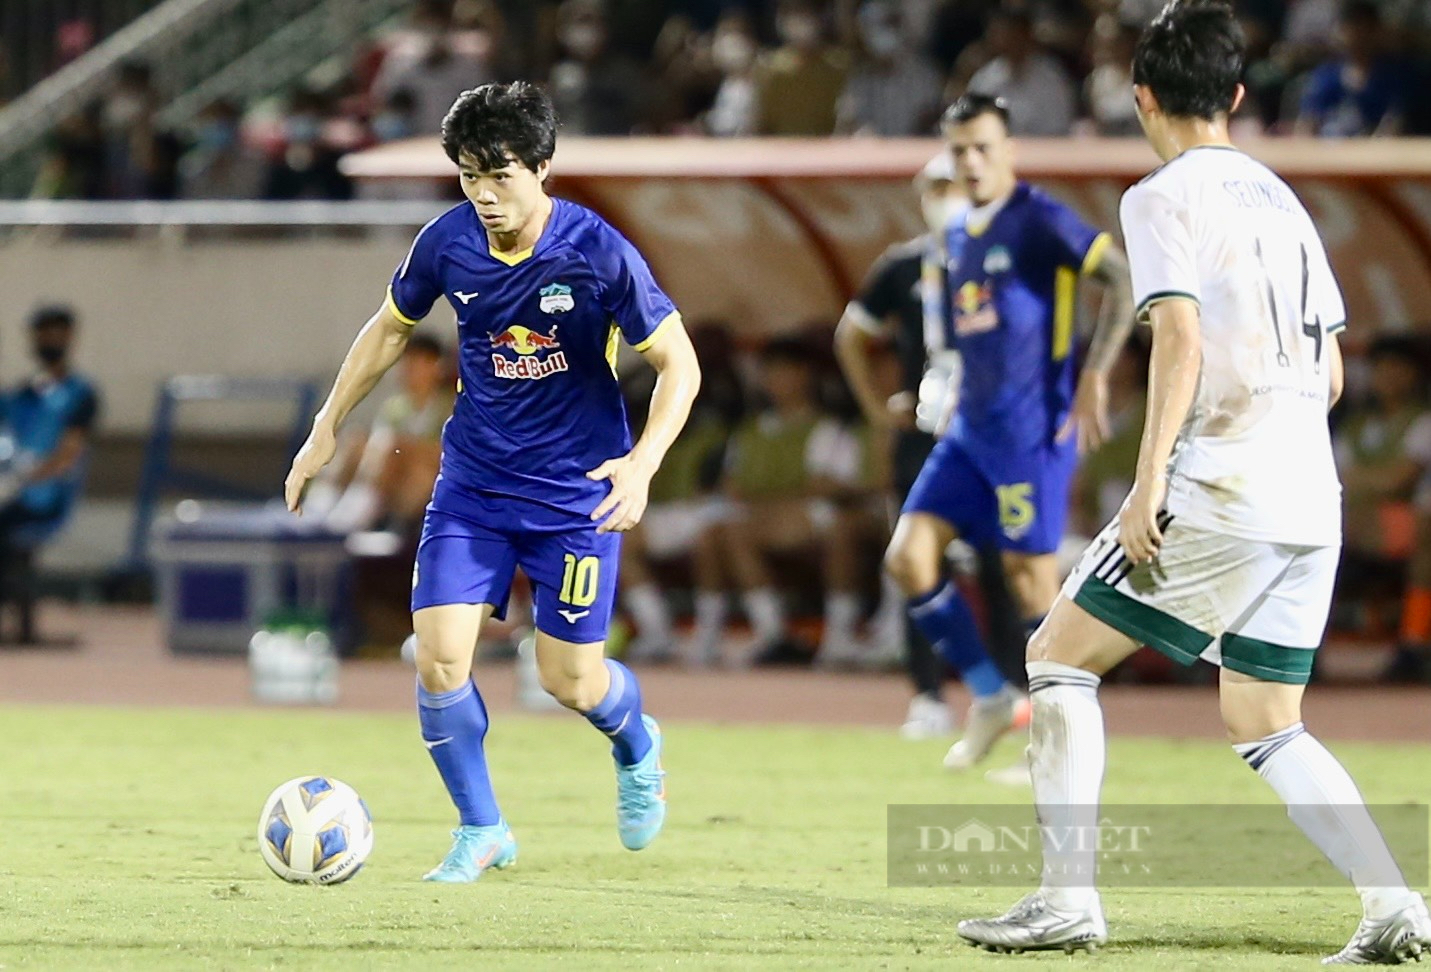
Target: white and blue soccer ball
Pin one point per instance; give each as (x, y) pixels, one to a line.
(315, 830)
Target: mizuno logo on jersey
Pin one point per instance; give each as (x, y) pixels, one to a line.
(530, 364)
(465, 298)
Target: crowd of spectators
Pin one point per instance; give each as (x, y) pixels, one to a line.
(39, 37)
(747, 557)
(1382, 438)
(735, 529)
(1334, 68)
(732, 521)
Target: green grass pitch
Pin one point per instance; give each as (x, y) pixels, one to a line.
(127, 842)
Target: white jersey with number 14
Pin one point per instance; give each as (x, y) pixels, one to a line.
(1254, 459)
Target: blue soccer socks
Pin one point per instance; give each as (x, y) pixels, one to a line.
(619, 716)
(454, 725)
(944, 617)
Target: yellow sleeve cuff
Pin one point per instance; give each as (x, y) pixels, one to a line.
(395, 312)
(1094, 256)
(672, 318)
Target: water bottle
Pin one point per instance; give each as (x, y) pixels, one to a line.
(320, 677)
(292, 662)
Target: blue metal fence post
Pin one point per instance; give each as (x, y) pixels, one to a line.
(156, 465)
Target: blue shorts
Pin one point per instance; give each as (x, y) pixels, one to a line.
(1016, 501)
(472, 544)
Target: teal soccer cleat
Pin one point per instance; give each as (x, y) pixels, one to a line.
(474, 850)
(641, 795)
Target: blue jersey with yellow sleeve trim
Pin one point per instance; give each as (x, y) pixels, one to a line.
(538, 403)
(1011, 299)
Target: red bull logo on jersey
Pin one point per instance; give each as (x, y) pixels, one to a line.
(530, 364)
(974, 310)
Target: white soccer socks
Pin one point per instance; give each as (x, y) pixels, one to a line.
(842, 615)
(767, 616)
(1326, 805)
(1068, 755)
(650, 612)
(711, 612)
(1067, 752)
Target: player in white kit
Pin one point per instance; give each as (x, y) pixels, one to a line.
(1227, 546)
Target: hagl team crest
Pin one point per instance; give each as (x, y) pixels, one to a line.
(997, 260)
(556, 299)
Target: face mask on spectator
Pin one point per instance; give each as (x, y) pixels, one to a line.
(437, 52)
(123, 110)
(217, 135)
(50, 354)
(569, 76)
(302, 129)
(881, 40)
(800, 30)
(581, 39)
(732, 52)
(389, 127)
(939, 211)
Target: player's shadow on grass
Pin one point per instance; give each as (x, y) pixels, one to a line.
(755, 895)
(1212, 940)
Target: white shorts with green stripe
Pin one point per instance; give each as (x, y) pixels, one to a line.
(1253, 607)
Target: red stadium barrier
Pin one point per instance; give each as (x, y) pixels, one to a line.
(769, 234)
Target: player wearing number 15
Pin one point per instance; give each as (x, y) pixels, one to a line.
(1000, 477)
(538, 469)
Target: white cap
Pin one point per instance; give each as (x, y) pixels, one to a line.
(938, 169)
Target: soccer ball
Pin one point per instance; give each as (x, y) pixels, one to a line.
(315, 830)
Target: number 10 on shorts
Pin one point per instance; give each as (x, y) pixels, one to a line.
(579, 579)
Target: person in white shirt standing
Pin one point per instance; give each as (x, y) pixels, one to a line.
(1227, 546)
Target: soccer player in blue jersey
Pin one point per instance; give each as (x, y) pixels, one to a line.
(1001, 474)
(538, 469)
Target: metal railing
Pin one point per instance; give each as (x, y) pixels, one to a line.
(148, 37)
(161, 473)
(29, 34)
(71, 213)
(328, 29)
(198, 50)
